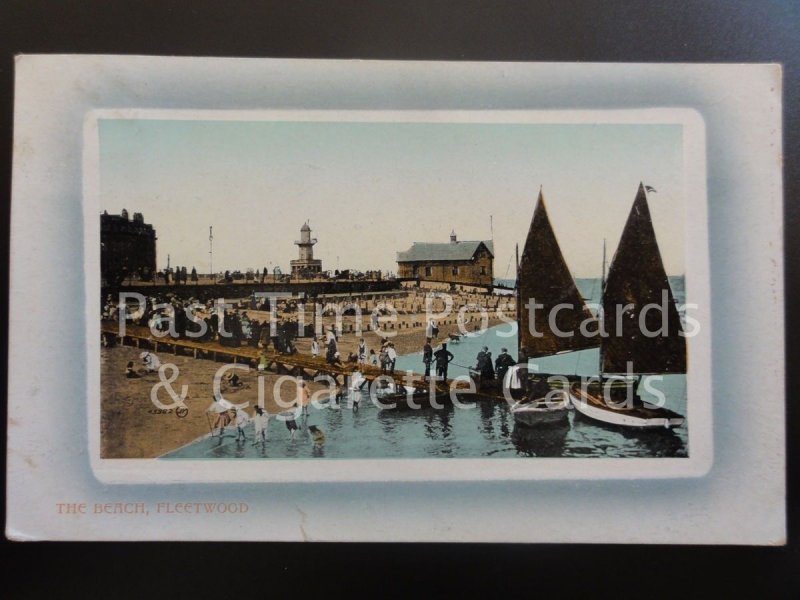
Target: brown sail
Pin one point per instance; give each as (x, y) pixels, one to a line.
(636, 279)
(544, 279)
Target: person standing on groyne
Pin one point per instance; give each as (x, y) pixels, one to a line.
(427, 358)
(443, 357)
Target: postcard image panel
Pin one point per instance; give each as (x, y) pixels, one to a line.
(334, 286)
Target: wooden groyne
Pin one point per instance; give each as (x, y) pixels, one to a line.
(297, 365)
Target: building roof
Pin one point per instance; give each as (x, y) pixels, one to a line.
(424, 251)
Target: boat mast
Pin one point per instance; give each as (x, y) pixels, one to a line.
(516, 300)
(603, 278)
(211, 251)
(600, 310)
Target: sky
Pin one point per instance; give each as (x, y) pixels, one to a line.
(370, 189)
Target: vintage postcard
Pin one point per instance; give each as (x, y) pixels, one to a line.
(282, 290)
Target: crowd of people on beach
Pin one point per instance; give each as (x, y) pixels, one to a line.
(359, 358)
(233, 327)
(385, 358)
(168, 313)
(224, 415)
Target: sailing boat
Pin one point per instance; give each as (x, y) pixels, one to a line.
(636, 279)
(544, 278)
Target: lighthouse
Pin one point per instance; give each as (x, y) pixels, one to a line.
(305, 264)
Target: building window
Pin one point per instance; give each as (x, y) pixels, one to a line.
(428, 272)
(455, 270)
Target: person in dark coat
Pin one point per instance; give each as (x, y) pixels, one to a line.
(503, 362)
(180, 320)
(264, 335)
(331, 353)
(427, 357)
(213, 322)
(442, 357)
(255, 333)
(227, 338)
(236, 328)
(484, 364)
(209, 334)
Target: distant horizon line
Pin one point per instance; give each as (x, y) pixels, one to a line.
(577, 277)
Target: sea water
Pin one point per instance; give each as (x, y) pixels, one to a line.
(475, 430)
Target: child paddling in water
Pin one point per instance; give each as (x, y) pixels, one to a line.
(222, 408)
(291, 424)
(317, 435)
(242, 418)
(303, 396)
(260, 424)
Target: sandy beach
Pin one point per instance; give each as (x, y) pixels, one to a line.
(133, 427)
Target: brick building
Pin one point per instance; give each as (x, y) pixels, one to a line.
(467, 262)
(127, 248)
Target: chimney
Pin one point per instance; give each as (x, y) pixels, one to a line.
(453, 239)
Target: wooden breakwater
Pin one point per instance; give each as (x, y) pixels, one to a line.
(297, 365)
